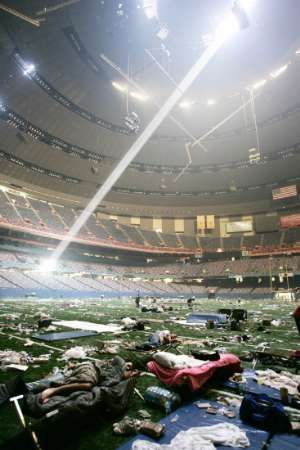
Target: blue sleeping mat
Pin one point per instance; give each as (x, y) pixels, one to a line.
(252, 386)
(63, 335)
(285, 442)
(191, 416)
(196, 317)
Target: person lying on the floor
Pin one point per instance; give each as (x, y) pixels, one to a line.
(83, 376)
(158, 339)
(77, 377)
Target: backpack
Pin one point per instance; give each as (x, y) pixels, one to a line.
(261, 411)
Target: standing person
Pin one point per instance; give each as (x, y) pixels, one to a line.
(190, 302)
(137, 300)
(296, 315)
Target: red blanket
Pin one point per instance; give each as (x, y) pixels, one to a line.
(196, 376)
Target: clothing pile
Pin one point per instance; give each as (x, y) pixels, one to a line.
(200, 438)
(278, 380)
(14, 360)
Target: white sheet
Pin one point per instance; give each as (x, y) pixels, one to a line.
(89, 326)
(171, 361)
(200, 438)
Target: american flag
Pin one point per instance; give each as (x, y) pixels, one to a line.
(284, 192)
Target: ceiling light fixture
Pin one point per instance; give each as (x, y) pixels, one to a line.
(258, 84)
(211, 102)
(185, 104)
(139, 96)
(132, 122)
(150, 8)
(120, 87)
(247, 5)
(227, 28)
(279, 71)
(235, 20)
(162, 34)
(28, 69)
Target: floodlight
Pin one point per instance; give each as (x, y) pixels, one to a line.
(278, 72)
(234, 20)
(247, 5)
(28, 69)
(227, 28)
(163, 32)
(240, 10)
(120, 87)
(185, 104)
(48, 265)
(297, 52)
(211, 102)
(138, 96)
(132, 122)
(258, 84)
(150, 8)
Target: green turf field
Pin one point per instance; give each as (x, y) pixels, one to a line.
(278, 339)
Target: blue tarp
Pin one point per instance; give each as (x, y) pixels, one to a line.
(191, 416)
(285, 442)
(63, 335)
(204, 317)
(252, 386)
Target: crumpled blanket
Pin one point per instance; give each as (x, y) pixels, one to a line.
(200, 438)
(196, 376)
(114, 398)
(277, 380)
(104, 373)
(172, 361)
(8, 357)
(107, 378)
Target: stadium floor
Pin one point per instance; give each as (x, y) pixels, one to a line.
(280, 338)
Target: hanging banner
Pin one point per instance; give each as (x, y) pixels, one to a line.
(291, 221)
(200, 223)
(210, 222)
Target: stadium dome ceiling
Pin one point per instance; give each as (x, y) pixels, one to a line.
(63, 105)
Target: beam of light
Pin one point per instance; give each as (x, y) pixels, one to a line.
(48, 265)
(143, 138)
(278, 72)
